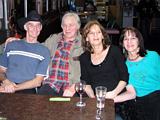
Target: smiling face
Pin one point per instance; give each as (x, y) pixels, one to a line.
(131, 42)
(33, 29)
(95, 36)
(70, 28)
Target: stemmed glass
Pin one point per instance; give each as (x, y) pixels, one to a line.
(80, 88)
(100, 95)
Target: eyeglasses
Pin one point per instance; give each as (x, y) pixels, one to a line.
(94, 33)
(37, 25)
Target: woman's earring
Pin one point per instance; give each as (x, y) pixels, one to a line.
(124, 50)
(102, 37)
(87, 43)
(87, 39)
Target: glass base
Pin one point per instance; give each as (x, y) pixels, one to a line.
(80, 104)
(98, 117)
(99, 114)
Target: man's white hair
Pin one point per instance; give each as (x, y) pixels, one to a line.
(72, 14)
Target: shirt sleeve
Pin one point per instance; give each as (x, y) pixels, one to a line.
(4, 57)
(121, 66)
(84, 74)
(156, 57)
(44, 64)
(158, 62)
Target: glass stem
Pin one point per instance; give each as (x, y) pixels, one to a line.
(81, 98)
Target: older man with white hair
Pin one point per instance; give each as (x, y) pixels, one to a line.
(65, 50)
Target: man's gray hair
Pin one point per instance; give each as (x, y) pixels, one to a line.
(75, 15)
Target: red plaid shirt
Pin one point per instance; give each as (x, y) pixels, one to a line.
(58, 76)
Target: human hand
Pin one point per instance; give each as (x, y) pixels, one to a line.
(70, 91)
(9, 87)
(2, 89)
(111, 95)
(10, 39)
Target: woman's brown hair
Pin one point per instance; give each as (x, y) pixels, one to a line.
(85, 44)
(132, 30)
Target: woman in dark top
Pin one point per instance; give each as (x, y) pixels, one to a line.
(107, 73)
(102, 64)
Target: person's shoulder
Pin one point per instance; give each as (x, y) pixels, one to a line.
(15, 42)
(43, 46)
(84, 55)
(152, 57)
(55, 35)
(52, 39)
(152, 53)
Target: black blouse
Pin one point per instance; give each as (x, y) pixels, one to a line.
(108, 73)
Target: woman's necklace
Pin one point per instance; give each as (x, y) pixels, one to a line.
(99, 57)
(133, 59)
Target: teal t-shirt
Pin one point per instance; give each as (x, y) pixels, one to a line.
(144, 75)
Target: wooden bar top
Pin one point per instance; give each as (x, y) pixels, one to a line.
(38, 107)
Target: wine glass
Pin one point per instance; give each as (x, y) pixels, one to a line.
(80, 86)
(99, 114)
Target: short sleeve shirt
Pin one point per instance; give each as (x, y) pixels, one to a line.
(24, 61)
